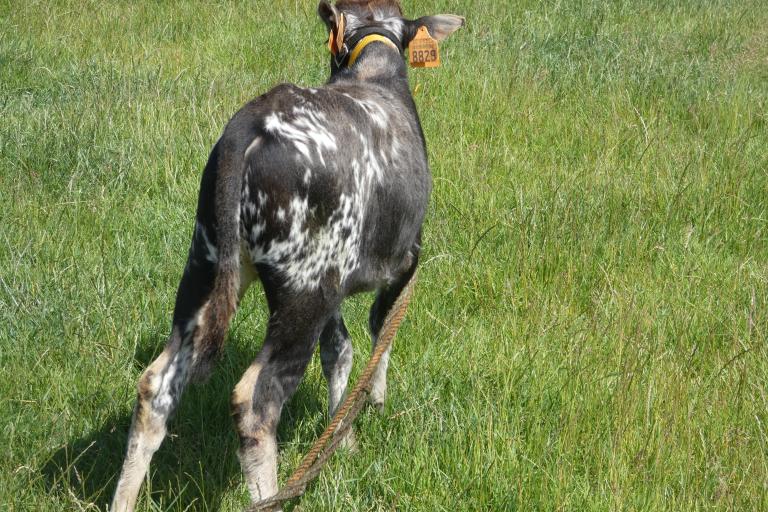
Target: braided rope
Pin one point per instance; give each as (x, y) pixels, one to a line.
(329, 440)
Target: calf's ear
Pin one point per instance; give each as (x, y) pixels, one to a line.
(329, 14)
(440, 26)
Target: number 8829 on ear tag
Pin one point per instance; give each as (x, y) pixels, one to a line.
(424, 51)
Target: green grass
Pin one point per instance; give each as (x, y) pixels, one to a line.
(589, 329)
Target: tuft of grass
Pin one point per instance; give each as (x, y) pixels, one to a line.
(589, 330)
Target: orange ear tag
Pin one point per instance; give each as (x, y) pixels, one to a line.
(423, 50)
(336, 38)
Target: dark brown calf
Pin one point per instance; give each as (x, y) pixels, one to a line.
(320, 193)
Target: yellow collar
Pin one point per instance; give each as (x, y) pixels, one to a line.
(365, 42)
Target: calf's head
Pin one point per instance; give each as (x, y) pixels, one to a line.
(349, 21)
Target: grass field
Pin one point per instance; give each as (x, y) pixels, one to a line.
(589, 329)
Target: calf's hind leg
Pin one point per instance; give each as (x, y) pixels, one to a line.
(257, 401)
(204, 305)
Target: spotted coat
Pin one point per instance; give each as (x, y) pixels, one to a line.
(319, 193)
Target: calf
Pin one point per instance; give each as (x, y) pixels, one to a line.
(320, 193)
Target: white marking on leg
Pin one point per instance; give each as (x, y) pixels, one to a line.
(148, 424)
(379, 382)
(202, 236)
(337, 384)
(258, 459)
(261, 471)
(177, 371)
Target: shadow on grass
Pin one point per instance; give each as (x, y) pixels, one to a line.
(196, 464)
